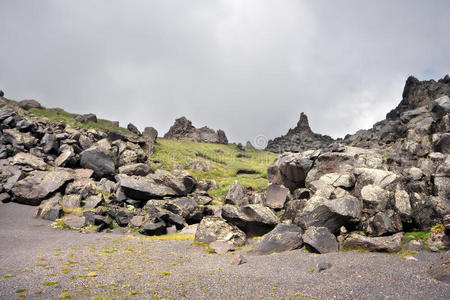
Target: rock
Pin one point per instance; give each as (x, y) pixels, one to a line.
(189, 229)
(183, 129)
(122, 216)
(212, 229)
(374, 197)
(86, 118)
(2, 93)
(138, 169)
(24, 126)
(71, 201)
(440, 270)
(276, 196)
(5, 197)
(339, 180)
(299, 139)
(17, 138)
(133, 129)
(222, 247)
(39, 184)
(332, 214)
(442, 143)
(150, 228)
(323, 266)
(171, 219)
(206, 185)
(151, 133)
(29, 104)
(64, 158)
(380, 178)
(414, 246)
(320, 239)
(391, 243)
(402, 202)
(385, 223)
(290, 170)
(99, 159)
(440, 107)
(186, 208)
(50, 209)
(253, 219)
(235, 194)
(84, 187)
(136, 221)
(49, 143)
(93, 201)
(238, 259)
(74, 221)
(26, 159)
(282, 238)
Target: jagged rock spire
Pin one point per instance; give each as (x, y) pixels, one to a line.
(303, 123)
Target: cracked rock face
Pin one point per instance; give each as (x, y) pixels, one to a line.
(183, 129)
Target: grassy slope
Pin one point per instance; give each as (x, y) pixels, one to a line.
(224, 164)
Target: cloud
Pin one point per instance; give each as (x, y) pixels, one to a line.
(248, 67)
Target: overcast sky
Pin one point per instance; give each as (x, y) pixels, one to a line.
(248, 67)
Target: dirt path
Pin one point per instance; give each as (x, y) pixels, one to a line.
(49, 263)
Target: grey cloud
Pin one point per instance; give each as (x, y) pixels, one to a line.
(248, 67)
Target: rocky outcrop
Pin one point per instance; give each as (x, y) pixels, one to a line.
(183, 129)
(299, 139)
(282, 238)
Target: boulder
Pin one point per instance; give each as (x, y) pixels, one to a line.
(331, 214)
(440, 270)
(64, 158)
(374, 197)
(380, 178)
(122, 216)
(402, 202)
(93, 201)
(49, 143)
(385, 223)
(212, 229)
(276, 196)
(17, 138)
(290, 170)
(138, 169)
(391, 243)
(222, 247)
(71, 201)
(86, 118)
(133, 129)
(29, 104)
(186, 208)
(27, 159)
(99, 159)
(83, 186)
(253, 219)
(50, 209)
(39, 184)
(282, 238)
(235, 194)
(74, 221)
(183, 129)
(150, 228)
(320, 239)
(151, 133)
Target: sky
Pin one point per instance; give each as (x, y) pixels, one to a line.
(247, 67)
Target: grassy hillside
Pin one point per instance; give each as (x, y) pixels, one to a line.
(59, 115)
(226, 163)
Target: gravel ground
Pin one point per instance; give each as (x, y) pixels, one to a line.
(38, 262)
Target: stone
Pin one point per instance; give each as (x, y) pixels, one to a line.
(2, 93)
(151, 133)
(320, 239)
(206, 185)
(150, 228)
(122, 216)
(186, 208)
(171, 219)
(253, 219)
(414, 246)
(71, 201)
(39, 184)
(374, 197)
(442, 143)
(402, 202)
(5, 197)
(440, 270)
(440, 107)
(235, 194)
(332, 214)
(99, 159)
(26, 159)
(64, 158)
(86, 118)
(49, 143)
(29, 104)
(84, 187)
(282, 238)
(133, 129)
(323, 266)
(339, 180)
(380, 178)
(222, 247)
(386, 223)
(212, 229)
(238, 259)
(74, 221)
(138, 169)
(17, 138)
(276, 196)
(290, 170)
(189, 229)
(94, 201)
(137, 221)
(50, 209)
(391, 243)
(183, 129)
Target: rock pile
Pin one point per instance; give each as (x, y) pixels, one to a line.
(299, 139)
(183, 129)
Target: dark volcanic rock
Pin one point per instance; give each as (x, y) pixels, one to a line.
(212, 229)
(235, 194)
(321, 239)
(99, 159)
(29, 104)
(183, 129)
(150, 228)
(282, 238)
(253, 219)
(391, 243)
(299, 139)
(151, 133)
(276, 196)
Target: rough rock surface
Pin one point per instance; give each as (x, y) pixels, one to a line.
(320, 239)
(380, 244)
(212, 229)
(282, 238)
(183, 129)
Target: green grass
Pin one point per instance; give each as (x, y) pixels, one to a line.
(59, 115)
(224, 163)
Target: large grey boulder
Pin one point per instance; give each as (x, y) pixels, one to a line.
(151, 228)
(99, 159)
(138, 169)
(39, 184)
(27, 159)
(17, 138)
(331, 214)
(186, 208)
(212, 229)
(282, 238)
(391, 243)
(183, 129)
(440, 269)
(320, 239)
(49, 143)
(29, 104)
(235, 194)
(50, 208)
(276, 196)
(253, 219)
(290, 169)
(374, 197)
(151, 133)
